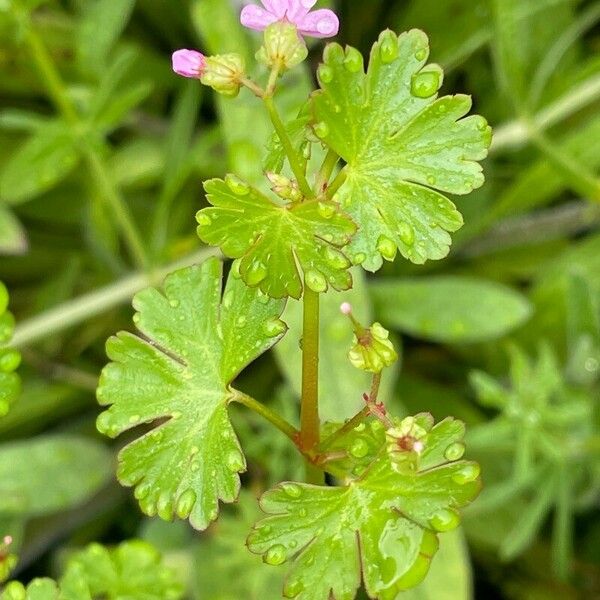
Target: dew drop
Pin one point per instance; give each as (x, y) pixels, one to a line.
(237, 186)
(174, 303)
(359, 448)
(303, 512)
(136, 318)
(431, 180)
(292, 490)
(325, 73)
(134, 419)
(421, 54)
(321, 130)
(240, 321)
(293, 588)
(389, 49)
(359, 258)
(326, 209)
(336, 259)
(316, 281)
(445, 520)
(235, 461)
(276, 555)
(406, 233)
(256, 273)
(235, 269)
(387, 248)
(353, 60)
(467, 474)
(228, 299)
(455, 451)
(273, 327)
(203, 219)
(425, 84)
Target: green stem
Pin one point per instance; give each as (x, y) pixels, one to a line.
(326, 171)
(85, 307)
(275, 419)
(336, 184)
(346, 428)
(292, 156)
(309, 413)
(60, 98)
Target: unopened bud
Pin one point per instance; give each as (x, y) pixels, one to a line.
(283, 46)
(372, 350)
(224, 73)
(285, 188)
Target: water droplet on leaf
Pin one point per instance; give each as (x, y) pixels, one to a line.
(445, 520)
(273, 327)
(321, 130)
(455, 451)
(292, 490)
(359, 448)
(325, 74)
(406, 233)
(387, 248)
(467, 474)
(316, 281)
(235, 461)
(256, 273)
(276, 555)
(237, 186)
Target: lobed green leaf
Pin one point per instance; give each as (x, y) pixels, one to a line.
(276, 243)
(176, 379)
(402, 144)
(381, 526)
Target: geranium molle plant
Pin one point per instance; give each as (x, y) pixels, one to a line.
(379, 489)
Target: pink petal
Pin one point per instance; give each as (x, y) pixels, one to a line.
(322, 23)
(188, 63)
(277, 7)
(257, 18)
(298, 9)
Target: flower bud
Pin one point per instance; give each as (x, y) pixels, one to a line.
(283, 46)
(405, 442)
(285, 188)
(372, 350)
(189, 63)
(223, 73)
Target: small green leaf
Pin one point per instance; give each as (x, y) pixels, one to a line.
(296, 129)
(383, 523)
(48, 474)
(401, 143)
(10, 359)
(44, 160)
(177, 377)
(450, 309)
(272, 240)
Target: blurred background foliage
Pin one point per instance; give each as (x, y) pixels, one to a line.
(102, 151)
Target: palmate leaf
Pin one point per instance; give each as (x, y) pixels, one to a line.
(402, 143)
(274, 241)
(382, 523)
(194, 345)
(10, 359)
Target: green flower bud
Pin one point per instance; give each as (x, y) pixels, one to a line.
(223, 73)
(405, 442)
(372, 350)
(285, 188)
(283, 46)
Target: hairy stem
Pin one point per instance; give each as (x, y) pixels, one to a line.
(292, 156)
(274, 418)
(309, 415)
(60, 98)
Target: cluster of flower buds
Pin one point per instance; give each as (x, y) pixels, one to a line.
(284, 22)
(372, 350)
(285, 188)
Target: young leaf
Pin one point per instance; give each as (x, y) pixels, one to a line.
(383, 523)
(401, 143)
(10, 383)
(177, 377)
(272, 240)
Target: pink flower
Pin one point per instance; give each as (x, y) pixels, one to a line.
(189, 63)
(321, 23)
